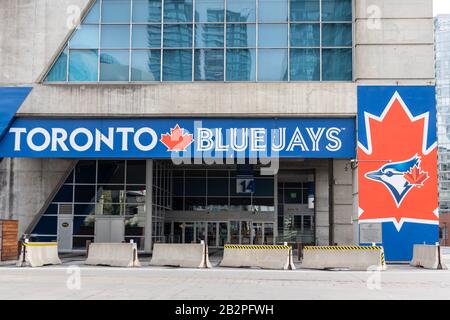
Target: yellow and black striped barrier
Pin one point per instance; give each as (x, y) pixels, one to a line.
(256, 247)
(341, 248)
(40, 244)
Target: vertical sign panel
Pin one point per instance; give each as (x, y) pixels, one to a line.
(397, 166)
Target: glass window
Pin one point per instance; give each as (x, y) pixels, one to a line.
(83, 226)
(241, 35)
(177, 65)
(305, 10)
(134, 226)
(241, 10)
(195, 187)
(146, 11)
(305, 35)
(83, 65)
(52, 209)
(337, 35)
(115, 37)
(241, 65)
(337, 64)
(65, 194)
(178, 10)
(84, 193)
(305, 64)
(273, 10)
(146, 36)
(178, 36)
(46, 225)
(209, 64)
(111, 193)
(114, 65)
(94, 14)
(218, 187)
(85, 37)
(209, 35)
(136, 172)
(84, 209)
(209, 10)
(337, 10)
(116, 11)
(272, 36)
(111, 171)
(85, 171)
(277, 60)
(59, 69)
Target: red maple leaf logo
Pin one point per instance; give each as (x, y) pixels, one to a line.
(416, 176)
(177, 140)
(395, 136)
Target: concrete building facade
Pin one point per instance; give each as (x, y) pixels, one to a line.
(392, 44)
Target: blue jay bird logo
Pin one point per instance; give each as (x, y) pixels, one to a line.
(400, 177)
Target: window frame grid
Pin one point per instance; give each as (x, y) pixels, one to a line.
(193, 23)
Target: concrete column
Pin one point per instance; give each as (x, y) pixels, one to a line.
(343, 202)
(149, 207)
(322, 205)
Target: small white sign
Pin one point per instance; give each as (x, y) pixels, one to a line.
(245, 185)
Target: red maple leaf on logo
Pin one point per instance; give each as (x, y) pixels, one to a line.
(177, 140)
(416, 176)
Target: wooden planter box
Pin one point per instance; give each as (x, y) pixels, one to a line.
(9, 232)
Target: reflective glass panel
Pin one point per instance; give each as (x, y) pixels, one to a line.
(337, 34)
(85, 37)
(273, 10)
(177, 36)
(59, 69)
(146, 11)
(209, 10)
(114, 65)
(209, 35)
(145, 65)
(115, 37)
(83, 65)
(94, 14)
(146, 36)
(209, 64)
(305, 10)
(241, 10)
(337, 64)
(178, 10)
(116, 11)
(241, 65)
(241, 35)
(305, 35)
(305, 64)
(177, 65)
(272, 35)
(272, 65)
(337, 10)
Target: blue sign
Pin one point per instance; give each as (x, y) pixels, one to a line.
(11, 98)
(182, 137)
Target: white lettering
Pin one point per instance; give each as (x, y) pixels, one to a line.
(280, 135)
(59, 137)
(332, 136)
(89, 141)
(44, 145)
(138, 143)
(124, 132)
(205, 142)
(315, 137)
(258, 137)
(108, 140)
(297, 140)
(17, 137)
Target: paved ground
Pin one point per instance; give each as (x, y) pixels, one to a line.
(73, 280)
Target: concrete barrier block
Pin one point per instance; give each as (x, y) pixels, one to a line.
(355, 258)
(188, 255)
(113, 254)
(38, 254)
(428, 257)
(258, 256)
